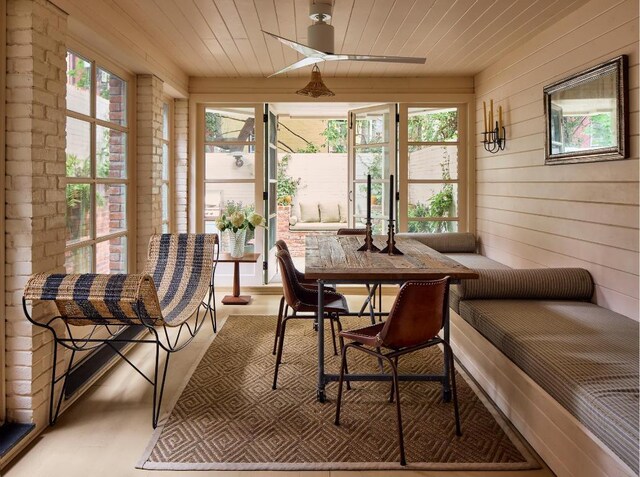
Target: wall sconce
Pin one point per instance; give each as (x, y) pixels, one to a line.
(238, 158)
(494, 139)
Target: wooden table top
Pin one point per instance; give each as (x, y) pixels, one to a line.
(246, 258)
(334, 257)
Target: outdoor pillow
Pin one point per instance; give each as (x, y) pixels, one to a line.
(293, 220)
(309, 212)
(344, 212)
(329, 213)
(529, 284)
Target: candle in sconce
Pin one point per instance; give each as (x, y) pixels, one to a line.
(369, 198)
(491, 113)
(500, 117)
(484, 115)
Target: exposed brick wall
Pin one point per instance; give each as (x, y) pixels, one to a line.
(295, 240)
(149, 162)
(35, 191)
(181, 135)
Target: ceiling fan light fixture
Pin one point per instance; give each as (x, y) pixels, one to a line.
(316, 87)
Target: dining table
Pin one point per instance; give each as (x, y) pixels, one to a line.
(335, 259)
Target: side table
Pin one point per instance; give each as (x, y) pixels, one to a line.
(236, 298)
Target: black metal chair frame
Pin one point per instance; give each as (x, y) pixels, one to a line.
(161, 340)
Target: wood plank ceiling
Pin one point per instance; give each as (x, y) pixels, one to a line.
(223, 38)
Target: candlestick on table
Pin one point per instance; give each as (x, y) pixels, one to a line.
(391, 242)
(368, 238)
(368, 197)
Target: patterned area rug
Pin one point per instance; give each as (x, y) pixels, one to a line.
(228, 417)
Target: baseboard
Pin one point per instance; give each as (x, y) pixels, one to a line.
(566, 445)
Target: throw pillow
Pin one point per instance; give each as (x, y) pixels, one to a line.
(329, 213)
(309, 212)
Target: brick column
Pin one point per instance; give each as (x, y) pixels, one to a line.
(149, 162)
(35, 191)
(181, 134)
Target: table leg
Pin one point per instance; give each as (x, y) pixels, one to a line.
(236, 298)
(320, 392)
(446, 384)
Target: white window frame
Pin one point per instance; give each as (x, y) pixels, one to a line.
(169, 142)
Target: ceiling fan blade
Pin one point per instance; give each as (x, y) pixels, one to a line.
(299, 47)
(298, 64)
(385, 59)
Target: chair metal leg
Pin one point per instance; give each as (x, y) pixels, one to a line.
(333, 337)
(343, 363)
(341, 340)
(283, 327)
(392, 384)
(54, 413)
(280, 311)
(454, 391)
(394, 372)
(158, 386)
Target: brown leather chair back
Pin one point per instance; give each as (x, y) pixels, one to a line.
(417, 314)
(351, 232)
(282, 245)
(294, 293)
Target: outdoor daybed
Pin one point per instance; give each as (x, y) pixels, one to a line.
(564, 370)
(315, 217)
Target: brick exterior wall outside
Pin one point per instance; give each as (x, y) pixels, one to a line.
(149, 162)
(294, 239)
(181, 135)
(35, 192)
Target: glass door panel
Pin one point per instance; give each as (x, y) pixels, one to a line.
(270, 187)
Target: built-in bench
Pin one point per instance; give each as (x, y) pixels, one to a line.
(570, 380)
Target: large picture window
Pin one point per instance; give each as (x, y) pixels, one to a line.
(96, 169)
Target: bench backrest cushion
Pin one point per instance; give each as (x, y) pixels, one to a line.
(329, 212)
(532, 284)
(454, 242)
(309, 212)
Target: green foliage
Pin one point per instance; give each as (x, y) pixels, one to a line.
(287, 185)
(81, 74)
(336, 135)
(310, 148)
(434, 126)
(212, 126)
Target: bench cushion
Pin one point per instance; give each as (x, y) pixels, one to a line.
(309, 212)
(453, 242)
(584, 356)
(329, 213)
(317, 226)
(536, 283)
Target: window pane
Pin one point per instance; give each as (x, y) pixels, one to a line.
(165, 121)
(218, 196)
(379, 200)
(164, 191)
(78, 84)
(372, 128)
(433, 226)
(165, 228)
(372, 160)
(111, 98)
(433, 124)
(433, 162)
(79, 260)
(78, 212)
(78, 148)
(111, 153)
(111, 202)
(228, 162)
(111, 256)
(433, 200)
(233, 124)
(165, 162)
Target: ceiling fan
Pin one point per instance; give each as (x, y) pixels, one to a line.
(321, 46)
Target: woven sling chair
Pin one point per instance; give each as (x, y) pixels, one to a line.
(415, 319)
(177, 284)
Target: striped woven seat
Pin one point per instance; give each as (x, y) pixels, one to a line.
(177, 284)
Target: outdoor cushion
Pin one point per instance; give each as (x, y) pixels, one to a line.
(344, 213)
(531, 284)
(309, 212)
(584, 356)
(329, 213)
(316, 227)
(451, 242)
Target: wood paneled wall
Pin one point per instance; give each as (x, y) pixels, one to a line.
(576, 215)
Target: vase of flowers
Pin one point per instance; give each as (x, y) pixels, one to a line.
(234, 223)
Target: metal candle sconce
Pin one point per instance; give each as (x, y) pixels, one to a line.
(493, 140)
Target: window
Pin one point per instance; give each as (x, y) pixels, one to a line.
(433, 181)
(97, 178)
(167, 162)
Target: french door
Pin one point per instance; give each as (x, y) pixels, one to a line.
(270, 190)
(372, 151)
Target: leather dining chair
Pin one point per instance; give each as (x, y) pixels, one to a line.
(300, 299)
(414, 322)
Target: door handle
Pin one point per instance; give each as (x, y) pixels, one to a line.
(350, 196)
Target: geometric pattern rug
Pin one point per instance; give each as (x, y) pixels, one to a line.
(227, 417)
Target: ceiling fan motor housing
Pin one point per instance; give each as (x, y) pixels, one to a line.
(320, 33)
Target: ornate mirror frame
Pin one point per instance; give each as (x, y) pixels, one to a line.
(618, 66)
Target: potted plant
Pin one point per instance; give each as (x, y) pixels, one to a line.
(234, 222)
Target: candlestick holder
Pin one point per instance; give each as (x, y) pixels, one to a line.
(391, 249)
(368, 245)
(496, 140)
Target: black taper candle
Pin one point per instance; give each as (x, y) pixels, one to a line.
(369, 198)
(391, 200)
